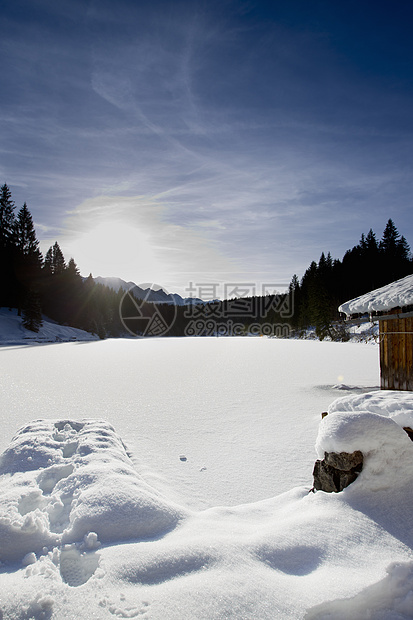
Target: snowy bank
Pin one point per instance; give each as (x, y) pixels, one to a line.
(82, 535)
(376, 424)
(12, 331)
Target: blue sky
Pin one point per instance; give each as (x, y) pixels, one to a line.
(207, 141)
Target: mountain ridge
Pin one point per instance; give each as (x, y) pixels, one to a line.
(149, 293)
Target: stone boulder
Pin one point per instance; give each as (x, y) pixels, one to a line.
(337, 470)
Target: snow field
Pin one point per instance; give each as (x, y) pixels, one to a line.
(92, 528)
(244, 412)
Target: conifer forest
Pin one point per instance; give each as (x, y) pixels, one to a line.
(50, 286)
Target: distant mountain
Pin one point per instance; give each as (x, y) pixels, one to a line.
(114, 283)
(155, 295)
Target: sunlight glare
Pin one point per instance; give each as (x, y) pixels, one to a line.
(116, 249)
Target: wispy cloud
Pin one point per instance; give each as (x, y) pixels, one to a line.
(242, 140)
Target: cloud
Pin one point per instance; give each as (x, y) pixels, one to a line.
(240, 140)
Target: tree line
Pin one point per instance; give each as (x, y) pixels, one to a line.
(35, 284)
(328, 283)
(310, 303)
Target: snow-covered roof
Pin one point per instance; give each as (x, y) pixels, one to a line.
(394, 295)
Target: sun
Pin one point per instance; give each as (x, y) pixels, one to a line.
(115, 249)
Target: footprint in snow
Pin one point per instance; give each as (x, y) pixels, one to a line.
(124, 611)
(75, 567)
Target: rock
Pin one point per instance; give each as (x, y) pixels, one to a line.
(409, 431)
(344, 460)
(337, 470)
(324, 477)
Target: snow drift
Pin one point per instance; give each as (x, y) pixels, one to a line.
(76, 514)
(69, 481)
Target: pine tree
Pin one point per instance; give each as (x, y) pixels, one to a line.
(7, 207)
(54, 261)
(394, 254)
(8, 289)
(48, 262)
(25, 234)
(27, 256)
(363, 242)
(32, 314)
(72, 269)
(403, 249)
(307, 285)
(322, 304)
(53, 285)
(388, 243)
(294, 297)
(371, 242)
(88, 309)
(371, 262)
(58, 260)
(71, 294)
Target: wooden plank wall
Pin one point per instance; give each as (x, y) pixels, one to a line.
(396, 353)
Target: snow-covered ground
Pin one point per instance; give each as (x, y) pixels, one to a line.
(243, 412)
(365, 332)
(13, 332)
(169, 479)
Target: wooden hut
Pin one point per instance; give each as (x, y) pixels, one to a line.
(392, 307)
